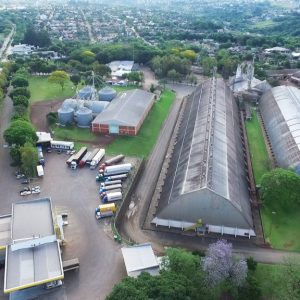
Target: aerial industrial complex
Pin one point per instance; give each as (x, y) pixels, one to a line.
(206, 179)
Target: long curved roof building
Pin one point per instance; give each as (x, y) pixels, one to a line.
(280, 110)
(206, 179)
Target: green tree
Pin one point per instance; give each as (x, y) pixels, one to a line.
(207, 64)
(173, 75)
(20, 132)
(88, 57)
(20, 100)
(250, 290)
(16, 156)
(280, 188)
(20, 91)
(75, 79)
(19, 81)
(59, 77)
(29, 159)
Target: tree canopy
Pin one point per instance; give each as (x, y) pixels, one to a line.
(29, 159)
(59, 77)
(281, 188)
(20, 132)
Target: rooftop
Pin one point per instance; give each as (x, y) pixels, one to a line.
(126, 109)
(140, 258)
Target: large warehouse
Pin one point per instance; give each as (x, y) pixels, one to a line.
(206, 181)
(125, 114)
(33, 254)
(280, 110)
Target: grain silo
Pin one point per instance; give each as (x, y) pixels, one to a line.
(86, 93)
(98, 106)
(65, 115)
(84, 117)
(107, 94)
(71, 103)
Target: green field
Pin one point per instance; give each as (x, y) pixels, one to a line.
(263, 24)
(142, 144)
(42, 90)
(74, 133)
(269, 279)
(257, 147)
(124, 88)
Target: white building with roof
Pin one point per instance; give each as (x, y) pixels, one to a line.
(119, 68)
(33, 255)
(140, 258)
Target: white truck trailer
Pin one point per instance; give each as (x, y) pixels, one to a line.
(97, 158)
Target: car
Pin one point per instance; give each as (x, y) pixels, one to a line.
(72, 152)
(35, 191)
(36, 187)
(53, 284)
(25, 181)
(25, 193)
(19, 176)
(25, 189)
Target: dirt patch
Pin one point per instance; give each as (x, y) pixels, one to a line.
(289, 244)
(39, 111)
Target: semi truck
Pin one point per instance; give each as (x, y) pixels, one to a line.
(110, 197)
(40, 155)
(115, 170)
(107, 183)
(102, 178)
(40, 170)
(74, 160)
(114, 160)
(107, 207)
(62, 145)
(108, 192)
(84, 159)
(101, 215)
(110, 187)
(95, 161)
(93, 153)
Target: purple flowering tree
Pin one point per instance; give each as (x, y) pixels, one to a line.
(220, 265)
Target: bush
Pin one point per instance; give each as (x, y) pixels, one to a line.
(52, 118)
(20, 91)
(20, 100)
(251, 263)
(19, 81)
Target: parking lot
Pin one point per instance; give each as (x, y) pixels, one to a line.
(76, 193)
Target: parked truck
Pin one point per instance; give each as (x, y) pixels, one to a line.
(102, 178)
(115, 170)
(107, 183)
(92, 155)
(110, 197)
(74, 160)
(114, 160)
(101, 215)
(40, 155)
(97, 158)
(108, 192)
(107, 207)
(40, 170)
(84, 159)
(110, 187)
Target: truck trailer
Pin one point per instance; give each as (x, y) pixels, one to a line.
(107, 207)
(95, 161)
(40, 170)
(110, 187)
(74, 160)
(101, 215)
(114, 160)
(108, 192)
(115, 170)
(102, 178)
(107, 183)
(40, 155)
(84, 159)
(110, 197)
(92, 155)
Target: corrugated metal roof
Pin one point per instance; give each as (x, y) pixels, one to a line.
(126, 109)
(139, 258)
(280, 109)
(206, 178)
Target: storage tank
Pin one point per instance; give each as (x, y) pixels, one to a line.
(65, 115)
(72, 103)
(107, 94)
(98, 106)
(86, 93)
(84, 117)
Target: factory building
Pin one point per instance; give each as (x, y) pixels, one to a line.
(280, 110)
(206, 186)
(33, 255)
(125, 114)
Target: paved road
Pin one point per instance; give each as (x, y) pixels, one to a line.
(88, 26)
(6, 44)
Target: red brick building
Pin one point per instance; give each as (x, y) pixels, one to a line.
(125, 114)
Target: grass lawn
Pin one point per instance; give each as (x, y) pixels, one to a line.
(42, 90)
(258, 150)
(74, 134)
(263, 24)
(142, 144)
(282, 228)
(124, 88)
(270, 281)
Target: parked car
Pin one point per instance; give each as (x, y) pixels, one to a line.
(25, 193)
(53, 284)
(25, 181)
(19, 176)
